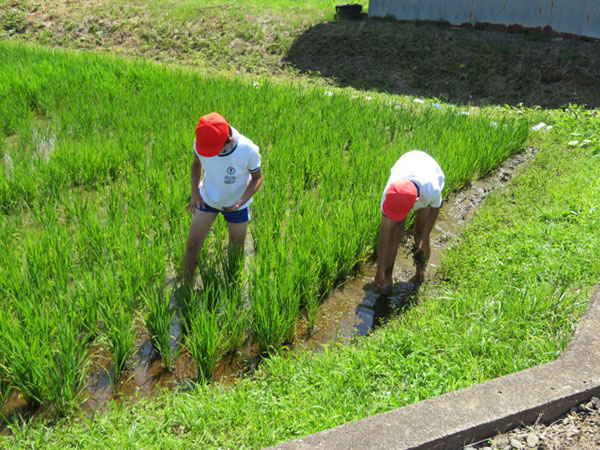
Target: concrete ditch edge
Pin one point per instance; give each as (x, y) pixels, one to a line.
(475, 413)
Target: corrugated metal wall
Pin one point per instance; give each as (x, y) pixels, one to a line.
(579, 17)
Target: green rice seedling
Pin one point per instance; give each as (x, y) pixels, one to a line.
(68, 367)
(229, 285)
(159, 319)
(275, 306)
(309, 299)
(86, 303)
(120, 334)
(5, 386)
(26, 348)
(234, 316)
(205, 339)
(186, 300)
(222, 274)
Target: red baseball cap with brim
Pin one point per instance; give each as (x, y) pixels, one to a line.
(211, 133)
(399, 199)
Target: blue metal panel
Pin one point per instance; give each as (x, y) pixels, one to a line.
(579, 17)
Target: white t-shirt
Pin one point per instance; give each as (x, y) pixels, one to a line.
(425, 172)
(226, 176)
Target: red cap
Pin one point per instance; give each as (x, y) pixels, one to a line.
(400, 197)
(211, 133)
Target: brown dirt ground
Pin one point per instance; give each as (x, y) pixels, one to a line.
(454, 64)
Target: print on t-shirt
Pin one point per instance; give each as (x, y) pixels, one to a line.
(229, 177)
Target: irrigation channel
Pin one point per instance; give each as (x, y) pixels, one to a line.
(353, 310)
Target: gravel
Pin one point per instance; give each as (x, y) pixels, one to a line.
(578, 429)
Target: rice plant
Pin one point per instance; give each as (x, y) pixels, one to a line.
(110, 142)
(159, 319)
(234, 316)
(120, 334)
(224, 283)
(5, 386)
(274, 311)
(204, 339)
(68, 367)
(28, 355)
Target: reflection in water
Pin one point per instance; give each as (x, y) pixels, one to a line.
(375, 310)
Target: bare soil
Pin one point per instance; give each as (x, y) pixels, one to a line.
(454, 64)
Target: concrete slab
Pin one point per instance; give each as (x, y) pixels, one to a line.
(475, 413)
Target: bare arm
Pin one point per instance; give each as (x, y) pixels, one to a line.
(255, 182)
(195, 176)
(432, 216)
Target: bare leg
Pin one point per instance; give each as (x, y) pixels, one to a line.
(237, 240)
(199, 228)
(420, 220)
(425, 221)
(390, 235)
(237, 234)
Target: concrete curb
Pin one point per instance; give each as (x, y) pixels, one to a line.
(475, 413)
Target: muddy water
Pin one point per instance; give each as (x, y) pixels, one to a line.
(351, 311)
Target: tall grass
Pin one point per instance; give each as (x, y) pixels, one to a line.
(109, 146)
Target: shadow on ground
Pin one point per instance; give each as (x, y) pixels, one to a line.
(455, 64)
(376, 308)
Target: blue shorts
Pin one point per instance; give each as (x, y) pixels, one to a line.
(239, 216)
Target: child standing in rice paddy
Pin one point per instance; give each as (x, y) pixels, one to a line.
(225, 174)
(415, 184)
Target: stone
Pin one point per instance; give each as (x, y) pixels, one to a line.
(532, 440)
(516, 444)
(501, 441)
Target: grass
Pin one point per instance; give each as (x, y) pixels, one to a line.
(239, 35)
(523, 241)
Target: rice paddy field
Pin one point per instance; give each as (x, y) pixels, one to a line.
(95, 158)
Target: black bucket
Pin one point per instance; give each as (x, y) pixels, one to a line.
(348, 11)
